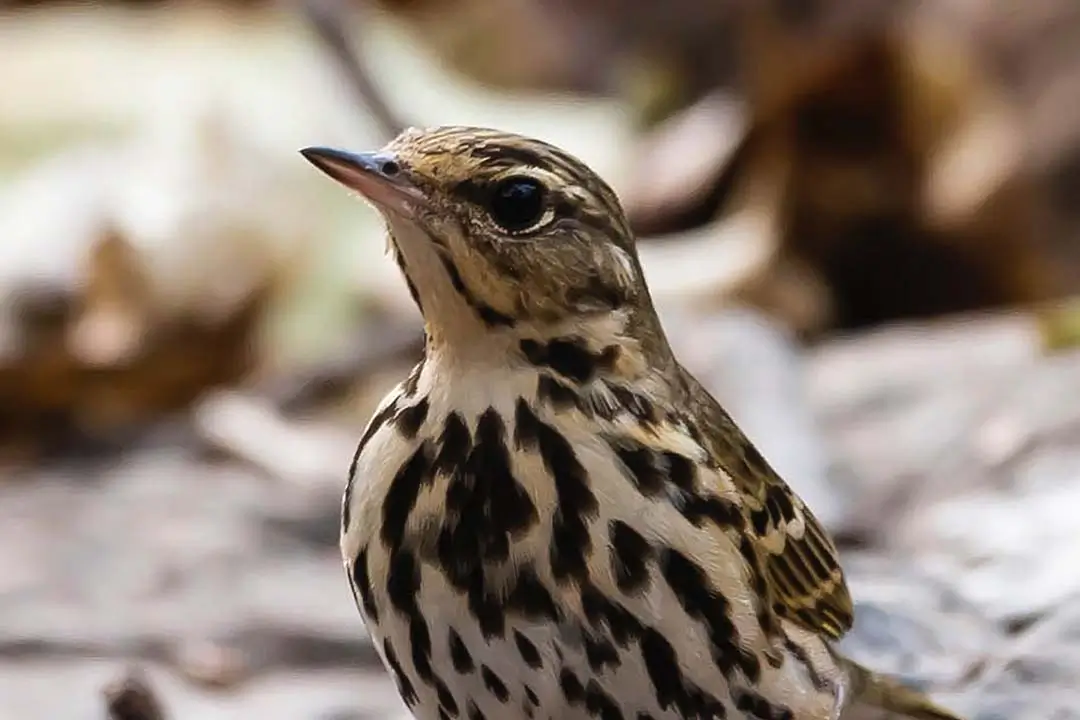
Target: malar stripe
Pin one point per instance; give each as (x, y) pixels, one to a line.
(455, 277)
(487, 314)
(400, 260)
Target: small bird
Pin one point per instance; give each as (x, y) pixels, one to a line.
(550, 518)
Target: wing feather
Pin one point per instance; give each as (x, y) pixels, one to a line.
(804, 579)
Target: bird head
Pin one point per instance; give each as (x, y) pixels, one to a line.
(501, 237)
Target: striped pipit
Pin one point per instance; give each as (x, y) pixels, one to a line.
(550, 518)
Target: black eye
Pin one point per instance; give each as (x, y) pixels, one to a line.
(517, 203)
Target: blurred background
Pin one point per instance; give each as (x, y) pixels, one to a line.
(860, 221)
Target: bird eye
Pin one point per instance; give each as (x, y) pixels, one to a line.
(517, 203)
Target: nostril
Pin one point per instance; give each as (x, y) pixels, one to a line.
(389, 168)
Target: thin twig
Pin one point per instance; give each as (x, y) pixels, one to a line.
(328, 19)
(329, 379)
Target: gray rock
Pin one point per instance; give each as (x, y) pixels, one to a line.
(162, 549)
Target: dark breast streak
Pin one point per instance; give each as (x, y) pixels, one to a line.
(486, 510)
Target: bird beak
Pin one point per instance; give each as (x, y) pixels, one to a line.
(378, 176)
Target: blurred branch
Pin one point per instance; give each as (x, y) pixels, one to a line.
(330, 378)
(329, 18)
(691, 167)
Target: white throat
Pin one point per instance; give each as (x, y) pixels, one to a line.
(451, 324)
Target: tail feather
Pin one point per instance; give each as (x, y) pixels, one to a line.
(877, 697)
